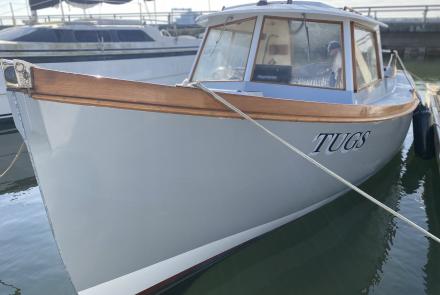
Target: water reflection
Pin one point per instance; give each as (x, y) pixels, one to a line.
(338, 249)
(29, 261)
(13, 290)
(431, 198)
(17, 186)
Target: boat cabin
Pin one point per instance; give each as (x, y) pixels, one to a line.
(79, 32)
(294, 50)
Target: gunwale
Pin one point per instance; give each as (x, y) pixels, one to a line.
(62, 87)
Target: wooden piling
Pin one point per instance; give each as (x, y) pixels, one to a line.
(434, 94)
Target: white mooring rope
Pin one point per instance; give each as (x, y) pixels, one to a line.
(314, 162)
(13, 160)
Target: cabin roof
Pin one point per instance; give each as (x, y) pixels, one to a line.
(281, 8)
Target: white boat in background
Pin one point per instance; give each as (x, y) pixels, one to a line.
(144, 183)
(121, 49)
(112, 48)
(117, 49)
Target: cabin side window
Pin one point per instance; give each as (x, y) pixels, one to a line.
(105, 36)
(225, 53)
(86, 36)
(133, 36)
(365, 56)
(64, 36)
(300, 52)
(38, 35)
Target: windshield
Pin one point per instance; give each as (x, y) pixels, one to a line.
(225, 53)
(300, 52)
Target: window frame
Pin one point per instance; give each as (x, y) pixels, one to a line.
(202, 47)
(341, 25)
(353, 26)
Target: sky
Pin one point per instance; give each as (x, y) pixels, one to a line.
(20, 6)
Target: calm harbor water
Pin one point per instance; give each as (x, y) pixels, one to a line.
(350, 246)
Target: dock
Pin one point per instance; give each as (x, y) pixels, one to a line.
(434, 92)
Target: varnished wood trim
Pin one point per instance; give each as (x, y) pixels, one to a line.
(105, 92)
(376, 49)
(353, 57)
(378, 56)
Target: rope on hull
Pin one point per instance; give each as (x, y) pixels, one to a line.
(314, 162)
(13, 160)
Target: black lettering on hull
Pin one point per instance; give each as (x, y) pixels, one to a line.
(331, 142)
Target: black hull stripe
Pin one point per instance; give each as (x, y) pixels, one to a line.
(101, 57)
(6, 115)
(194, 270)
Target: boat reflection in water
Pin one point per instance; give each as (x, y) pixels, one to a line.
(342, 246)
(10, 141)
(423, 176)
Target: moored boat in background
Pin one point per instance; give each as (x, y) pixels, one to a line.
(165, 178)
(113, 48)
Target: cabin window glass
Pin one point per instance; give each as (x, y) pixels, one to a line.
(365, 55)
(10, 34)
(133, 36)
(300, 52)
(86, 36)
(38, 35)
(225, 52)
(65, 36)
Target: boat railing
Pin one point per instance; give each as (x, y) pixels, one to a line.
(416, 12)
(187, 17)
(178, 17)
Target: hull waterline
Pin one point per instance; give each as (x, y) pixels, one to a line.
(159, 193)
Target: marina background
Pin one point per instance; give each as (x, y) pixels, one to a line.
(346, 247)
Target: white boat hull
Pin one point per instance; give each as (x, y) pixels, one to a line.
(135, 197)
